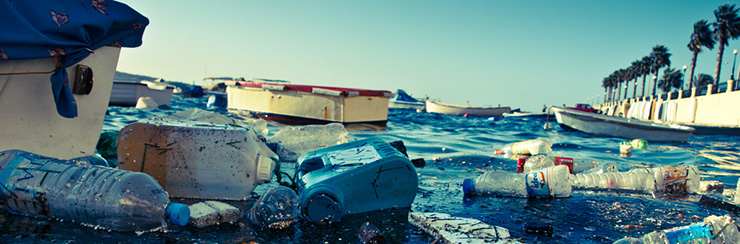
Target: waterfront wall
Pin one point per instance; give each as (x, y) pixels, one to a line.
(700, 107)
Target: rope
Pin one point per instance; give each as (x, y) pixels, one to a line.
(56, 63)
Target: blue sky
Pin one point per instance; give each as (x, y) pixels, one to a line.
(521, 54)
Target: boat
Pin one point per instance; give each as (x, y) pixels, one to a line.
(433, 106)
(613, 126)
(405, 101)
(62, 119)
(525, 115)
(127, 93)
(309, 104)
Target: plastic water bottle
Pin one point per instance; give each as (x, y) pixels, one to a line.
(528, 147)
(76, 190)
(737, 192)
(714, 229)
(369, 234)
(548, 182)
(277, 208)
(291, 142)
(664, 180)
(543, 161)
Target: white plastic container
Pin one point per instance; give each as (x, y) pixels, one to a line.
(714, 229)
(528, 147)
(197, 159)
(293, 141)
(548, 182)
(78, 191)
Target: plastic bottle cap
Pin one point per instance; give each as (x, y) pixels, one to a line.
(178, 213)
(322, 207)
(520, 165)
(468, 186)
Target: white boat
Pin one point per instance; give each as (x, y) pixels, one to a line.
(30, 119)
(306, 104)
(525, 115)
(433, 106)
(605, 125)
(127, 93)
(404, 101)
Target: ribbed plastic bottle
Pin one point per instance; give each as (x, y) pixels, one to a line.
(78, 191)
(548, 182)
(684, 179)
(575, 165)
(714, 229)
(291, 142)
(528, 147)
(277, 208)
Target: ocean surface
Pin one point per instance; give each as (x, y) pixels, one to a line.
(454, 148)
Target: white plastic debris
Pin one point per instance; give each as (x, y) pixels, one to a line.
(209, 213)
(146, 103)
(448, 229)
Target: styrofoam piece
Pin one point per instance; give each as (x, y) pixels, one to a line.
(209, 213)
(448, 229)
(145, 103)
(197, 159)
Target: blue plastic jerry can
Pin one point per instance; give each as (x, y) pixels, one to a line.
(355, 177)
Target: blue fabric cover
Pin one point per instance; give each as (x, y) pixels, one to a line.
(69, 30)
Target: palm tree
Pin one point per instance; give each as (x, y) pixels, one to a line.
(671, 79)
(645, 65)
(702, 37)
(702, 80)
(635, 70)
(727, 26)
(661, 58)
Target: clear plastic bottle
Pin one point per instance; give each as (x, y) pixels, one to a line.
(683, 179)
(291, 142)
(369, 234)
(714, 229)
(528, 147)
(575, 165)
(277, 208)
(76, 190)
(548, 182)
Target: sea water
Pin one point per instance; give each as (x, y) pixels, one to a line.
(455, 148)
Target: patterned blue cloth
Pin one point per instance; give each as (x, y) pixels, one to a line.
(69, 30)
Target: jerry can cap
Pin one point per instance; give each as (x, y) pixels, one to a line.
(178, 213)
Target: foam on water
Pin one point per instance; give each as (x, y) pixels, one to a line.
(464, 147)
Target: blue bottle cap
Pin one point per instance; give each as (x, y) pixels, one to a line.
(468, 186)
(321, 208)
(178, 213)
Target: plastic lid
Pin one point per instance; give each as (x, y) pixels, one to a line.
(322, 207)
(520, 165)
(178, 213)
(468, 186)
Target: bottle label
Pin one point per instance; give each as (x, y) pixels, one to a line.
(686, 233)
(676, 179)
(537, 183)
(521, 147)
(565, 161)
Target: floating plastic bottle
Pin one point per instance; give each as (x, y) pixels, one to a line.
(291, 142)
(665, 180)
(277, 208)
(548, 182)
(537, 162)
(737, 192)
(76, 190)
(714, 229)
(528, 147)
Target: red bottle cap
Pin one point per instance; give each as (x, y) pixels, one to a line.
(520, 165)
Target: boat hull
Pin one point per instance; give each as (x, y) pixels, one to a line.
(299, 107)
(406, 105)
(128, 93)
(31, 122)
(603, 125)
(454, 109)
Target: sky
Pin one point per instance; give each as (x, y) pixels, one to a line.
(522, 54)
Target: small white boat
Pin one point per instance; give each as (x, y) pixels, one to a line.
(127, 93)
(405, 101)
(604, 125)
(433, 106)
(525, 115)
(30, 119)
(307, 104)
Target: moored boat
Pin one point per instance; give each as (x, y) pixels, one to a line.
(308, 104)
(612, 126)
(525, 115)
(433, 106)
(405, 101)
(62, 119)
(127, 93)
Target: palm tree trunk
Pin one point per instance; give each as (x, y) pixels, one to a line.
(619, 91)
(626, 85)
(644, 76)
(691, 72)
(634, 88)
(721, 50)
(655, 81)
